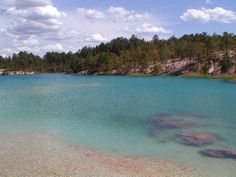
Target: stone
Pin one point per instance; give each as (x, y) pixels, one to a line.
(196, 139)
(171, 123)
(216, 153)
(192, 114)
(163, 115)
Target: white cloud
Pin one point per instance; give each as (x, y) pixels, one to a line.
(95, 38)
(32, 26)
(38, 26)
(27, 49)
(42, 12)
(118, 11)
(6, 52)
(138, 17)
(209, 1)
(195, 15)
(53, 47)
(22, 4)
(7, 34)
(34, 19)
(115, 14)
(32, 40)
(121, 14)
(91, 14)
(204, 15)
(221, 15)
(148, 28)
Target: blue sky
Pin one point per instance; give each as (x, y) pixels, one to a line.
(166, 11)
(39, 26)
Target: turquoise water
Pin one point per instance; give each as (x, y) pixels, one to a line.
(113, 113)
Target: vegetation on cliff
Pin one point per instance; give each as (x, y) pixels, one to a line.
(200, 53)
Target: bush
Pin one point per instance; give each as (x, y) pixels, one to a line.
(225, 63)
(157, 68)
(206, 68)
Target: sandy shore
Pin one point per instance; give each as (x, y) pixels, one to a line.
(45, 155)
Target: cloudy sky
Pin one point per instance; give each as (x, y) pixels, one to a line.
(39, 26)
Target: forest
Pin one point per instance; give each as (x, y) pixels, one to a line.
(124, 56)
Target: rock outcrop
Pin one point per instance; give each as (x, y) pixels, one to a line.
(13, 73)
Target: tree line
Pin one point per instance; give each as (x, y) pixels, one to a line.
(122, 54)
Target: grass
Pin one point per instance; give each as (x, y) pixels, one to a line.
(232, 80)
(138, 74)
(227, 77)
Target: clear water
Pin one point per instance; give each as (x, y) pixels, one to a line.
(112, 114)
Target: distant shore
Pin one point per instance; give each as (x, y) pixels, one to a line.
(5, 72)
(227, 77)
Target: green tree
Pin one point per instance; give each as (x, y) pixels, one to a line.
(225, 63)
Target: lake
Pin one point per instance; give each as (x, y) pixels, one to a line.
(126, 116)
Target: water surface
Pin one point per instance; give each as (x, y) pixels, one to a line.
(113, 113)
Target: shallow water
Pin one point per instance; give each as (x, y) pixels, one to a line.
(113, 114)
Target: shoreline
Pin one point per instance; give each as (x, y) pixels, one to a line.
(41, 154)
(227, 77)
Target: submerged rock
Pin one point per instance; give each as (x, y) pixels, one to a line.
(171, 123)
(196, 139)
(219, 153)
(163, 115)
(192, 114)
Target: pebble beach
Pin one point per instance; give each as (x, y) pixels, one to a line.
(40, 154)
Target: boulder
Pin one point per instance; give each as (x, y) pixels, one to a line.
(171, 123)
(164, 114)
(196, 139)
(192, 114)
(161, 115)
(226, 154)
